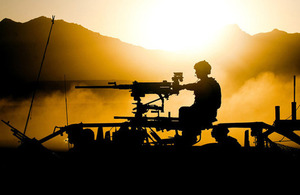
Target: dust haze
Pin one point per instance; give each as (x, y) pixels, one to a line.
(49, 110)
(254, 101)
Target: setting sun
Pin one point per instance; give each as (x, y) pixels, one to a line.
(177, 25)
(163, 24)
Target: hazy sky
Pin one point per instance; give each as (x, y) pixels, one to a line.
(163, 24)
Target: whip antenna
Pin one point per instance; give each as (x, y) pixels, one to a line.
(294, 104)
(38, 77)
(66, 99)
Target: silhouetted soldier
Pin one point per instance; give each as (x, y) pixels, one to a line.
(225, 142)
(203, 112)
(83, 139)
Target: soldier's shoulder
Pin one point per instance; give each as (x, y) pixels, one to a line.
(213, 81)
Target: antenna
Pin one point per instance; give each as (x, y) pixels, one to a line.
(38, 77)
(66, 99)
(294, 104)
(294, 88)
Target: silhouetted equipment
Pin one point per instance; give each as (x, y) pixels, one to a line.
(261, 130)
(287, 127)
(31, 147)
(139, 89)
(294, 104)
(21, 136)
(140, 131)
(246, 139)
(225, 142)
(134, 131)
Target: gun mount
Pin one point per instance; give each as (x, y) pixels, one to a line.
(139, 89)
(135, 129)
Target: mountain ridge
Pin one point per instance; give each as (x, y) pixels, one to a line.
(82, 54)
(64, 36)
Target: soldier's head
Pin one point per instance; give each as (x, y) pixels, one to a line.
(202, 69)
(219, 133)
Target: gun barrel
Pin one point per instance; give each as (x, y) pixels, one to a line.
(105, 87)
(93, 87)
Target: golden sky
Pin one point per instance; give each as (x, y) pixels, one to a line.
(162, 24)
(168, 25)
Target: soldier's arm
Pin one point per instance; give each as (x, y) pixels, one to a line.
(191, 86)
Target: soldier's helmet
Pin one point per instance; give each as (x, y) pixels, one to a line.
(218, 132)
(203, 66)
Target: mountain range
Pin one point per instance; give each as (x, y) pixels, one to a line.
(85, 55)
(275, 51)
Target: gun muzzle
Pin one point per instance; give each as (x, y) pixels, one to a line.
(93, 87)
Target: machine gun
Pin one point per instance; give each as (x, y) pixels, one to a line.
(130, 133)
(18, 134)
(140, 89)
(31, 147)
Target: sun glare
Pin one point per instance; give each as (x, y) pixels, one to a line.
(181, 25)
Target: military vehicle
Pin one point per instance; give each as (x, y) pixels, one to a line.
(139, 132)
